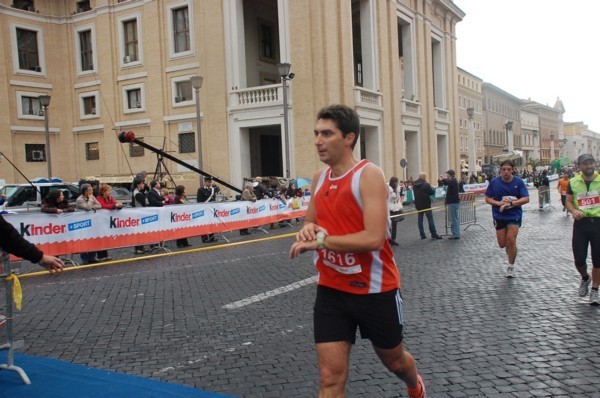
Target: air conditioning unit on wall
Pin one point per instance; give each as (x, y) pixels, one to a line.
(37, 155)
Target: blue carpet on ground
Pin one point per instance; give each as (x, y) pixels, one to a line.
(54, 378)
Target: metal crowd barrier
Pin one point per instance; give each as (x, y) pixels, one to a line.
(467, 212)
(10, 345)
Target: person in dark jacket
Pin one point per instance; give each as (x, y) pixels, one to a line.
(423, 192)
(56, 203)
(205, 194)
(452, 202)
(544, 190)
(12, 242)
(259, 189)
(139, 200)
(155, 198)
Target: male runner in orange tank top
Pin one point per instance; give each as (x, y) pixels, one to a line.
(347, 227)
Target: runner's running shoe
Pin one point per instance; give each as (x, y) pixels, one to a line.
(584, 287)
(594, 297)
(423, 392)
(510, 271)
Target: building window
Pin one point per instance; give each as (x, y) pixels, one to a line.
(130, 38)
(89, 105)
(35, 152)
(266, 41)
(181, 29)
(28, 50)
(183, 91)
(136, 150)
(26, 5)
(92, 151)
(134, 98)
(31, 106)
(437, 72)
(187, 142)
(83, 6)
(85, 49)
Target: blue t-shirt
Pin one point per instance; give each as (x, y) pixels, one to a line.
(498, 189)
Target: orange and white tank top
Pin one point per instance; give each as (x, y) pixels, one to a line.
(339, 209)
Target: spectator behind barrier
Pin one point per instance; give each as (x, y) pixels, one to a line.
(180, 199)
(86, 201)
(259, 189)
(247, 195)
(138, 199)
(168, 199)
(155, 199)
(56, 203)
(207, 193)
(108, 202)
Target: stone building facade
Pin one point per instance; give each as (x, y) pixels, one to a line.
(470, 96)
(501, 110)
(117, 65)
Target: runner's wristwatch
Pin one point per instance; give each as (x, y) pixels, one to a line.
(321, 240)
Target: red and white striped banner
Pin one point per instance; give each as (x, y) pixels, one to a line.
(83, 231)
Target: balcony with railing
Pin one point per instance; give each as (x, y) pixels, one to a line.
(441, 115)
(411, 108)
(366, 97)
(257, 97)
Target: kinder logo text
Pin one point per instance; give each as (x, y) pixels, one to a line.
(80, 225)
(255, 210)
(276, 207)
(226, 213)
(180, 217)
(116, 222)
(36, 230)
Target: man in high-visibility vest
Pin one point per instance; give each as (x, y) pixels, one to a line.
(583, 202)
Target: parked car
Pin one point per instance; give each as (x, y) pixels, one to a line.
(121, 194)
(24, 195)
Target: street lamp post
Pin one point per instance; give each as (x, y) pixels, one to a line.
(196, 84)
(562, 147)
(45, 102)
(471, 142)
(509, 136)
(284, 73)
(552, 157)
(536, 147)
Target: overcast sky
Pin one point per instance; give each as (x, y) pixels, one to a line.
(538, 49)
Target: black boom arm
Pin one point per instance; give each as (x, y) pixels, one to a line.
(129, 136)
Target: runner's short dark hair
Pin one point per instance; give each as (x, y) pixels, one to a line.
(346, 119)
(508, 162)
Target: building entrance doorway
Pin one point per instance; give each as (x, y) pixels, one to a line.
(265, 151)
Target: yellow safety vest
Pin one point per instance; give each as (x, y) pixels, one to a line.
(586, 199)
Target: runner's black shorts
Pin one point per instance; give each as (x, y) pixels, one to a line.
(501, 224)
(378, 316)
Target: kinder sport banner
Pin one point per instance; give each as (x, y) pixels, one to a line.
(84, 231)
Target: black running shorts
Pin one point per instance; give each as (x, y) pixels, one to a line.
(379, 317)
(501, 224)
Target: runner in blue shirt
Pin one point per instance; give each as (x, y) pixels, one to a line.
(507, 193)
